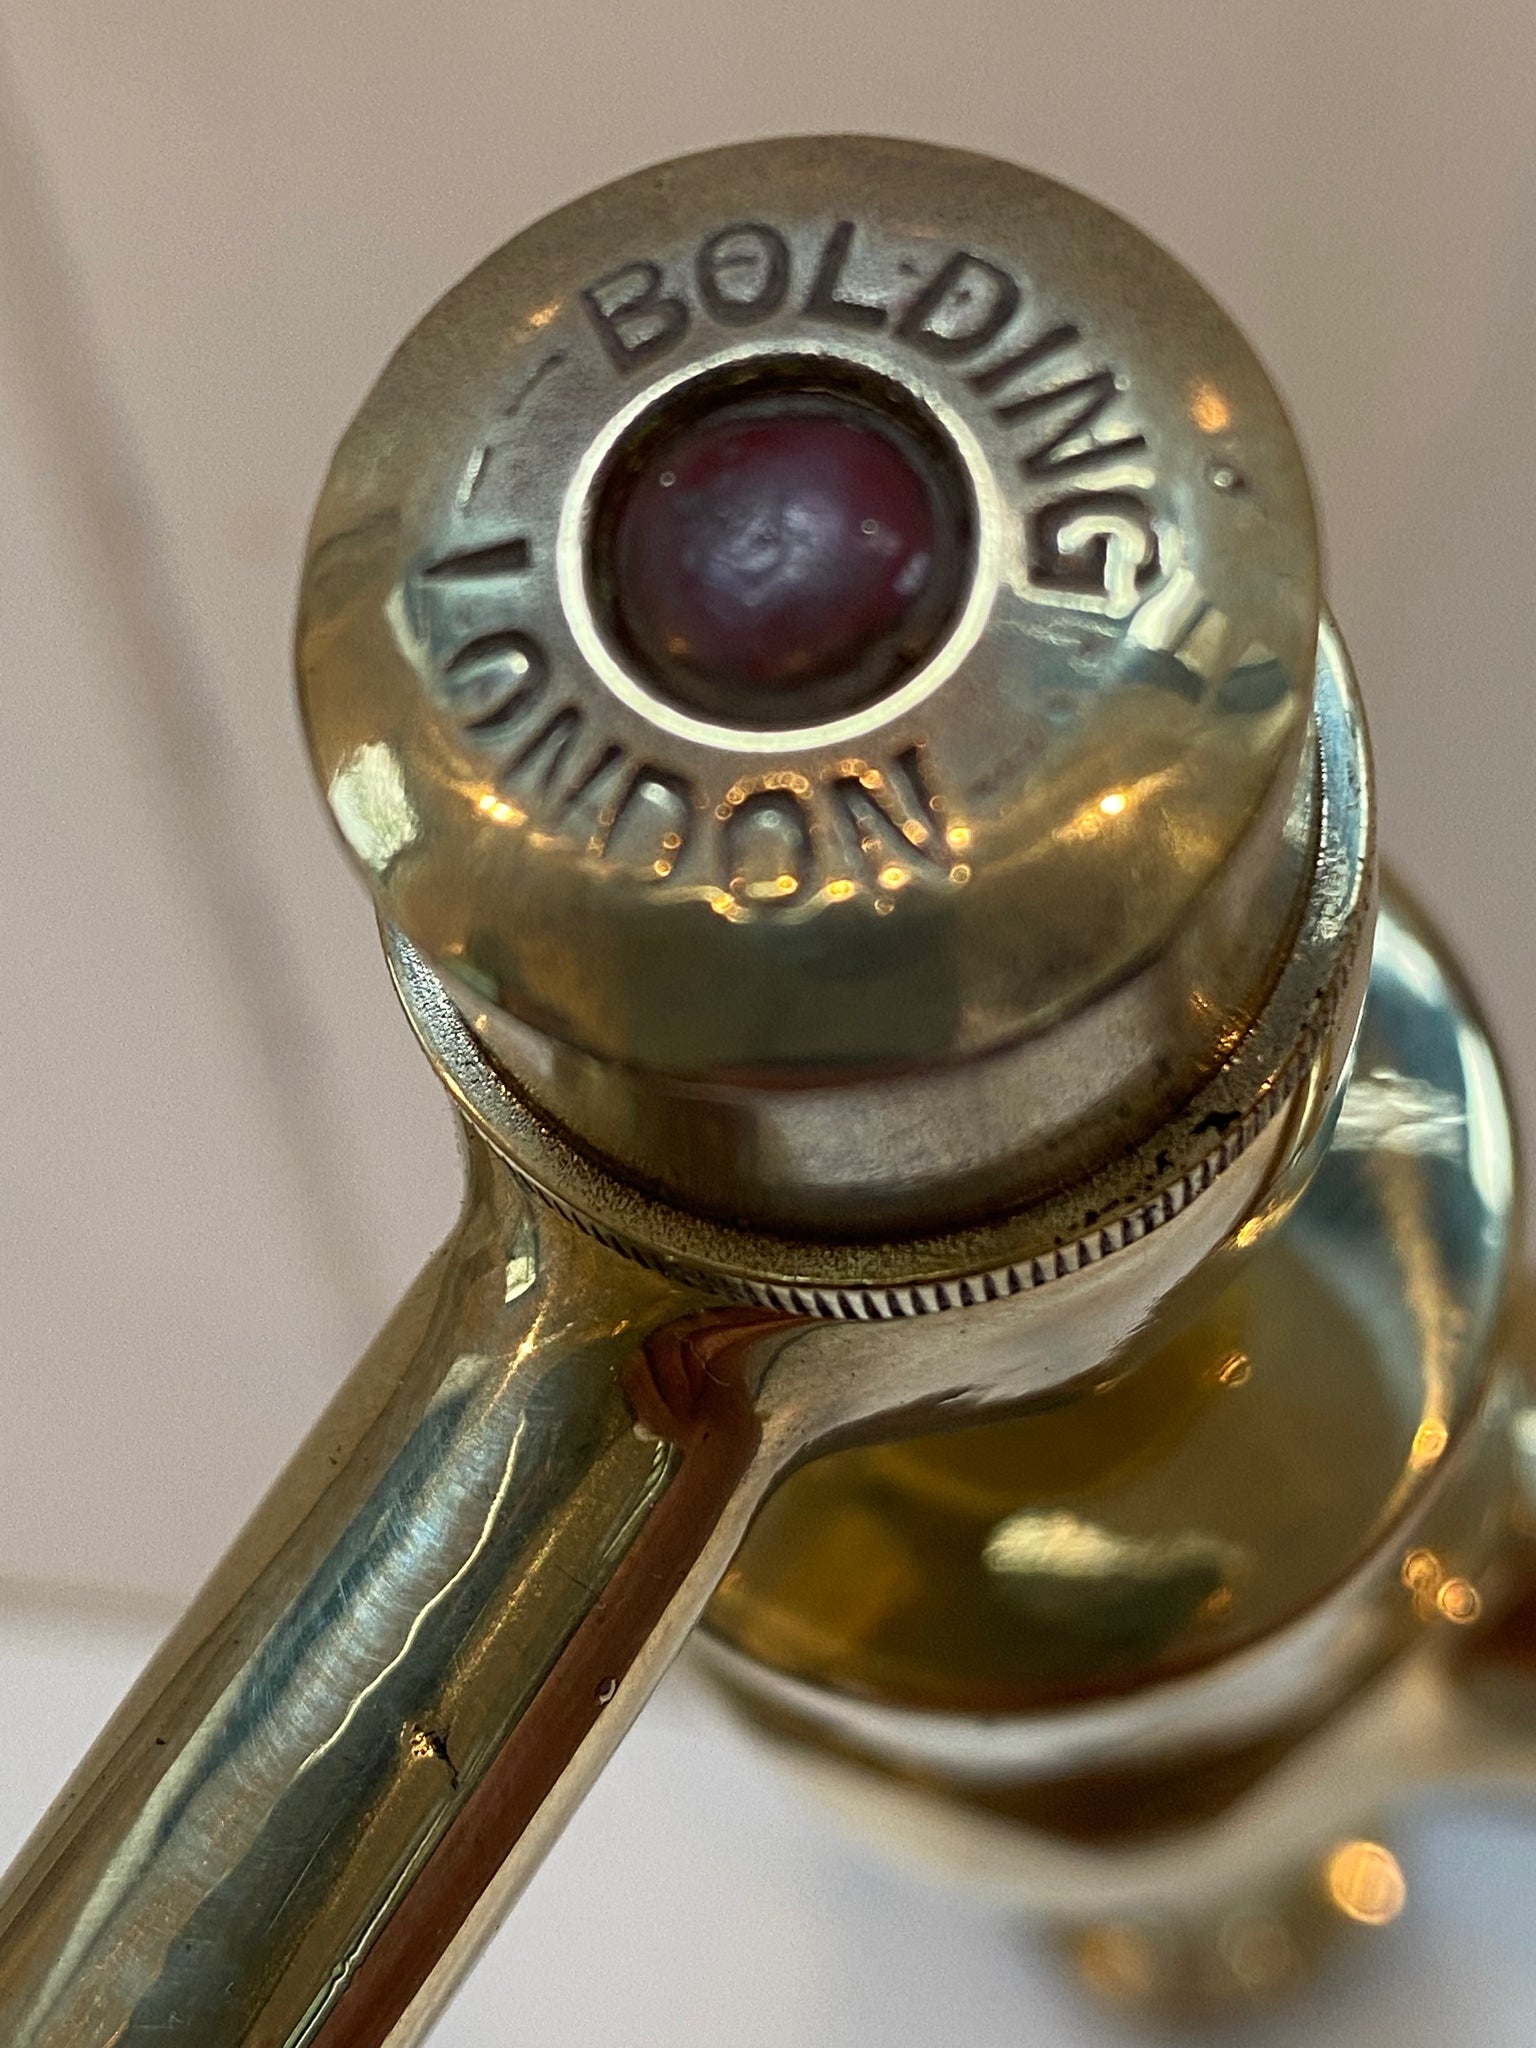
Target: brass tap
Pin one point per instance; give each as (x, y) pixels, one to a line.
(816, 651)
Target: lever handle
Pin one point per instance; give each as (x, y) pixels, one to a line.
(346, 1761)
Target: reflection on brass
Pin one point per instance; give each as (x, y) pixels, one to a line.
(1366, 1882)
(940, 1048)
(1178, 1514)
(1333, 1444)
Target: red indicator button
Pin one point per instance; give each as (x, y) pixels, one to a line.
(782, 559)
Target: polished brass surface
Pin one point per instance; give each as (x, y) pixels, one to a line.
(351, 1756)
(447, 1605)
(1023, 993)
(1186, 1185)
(1200, 1504)
(954, 949)
(1125, 1659)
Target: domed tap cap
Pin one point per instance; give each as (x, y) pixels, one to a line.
(814, 644)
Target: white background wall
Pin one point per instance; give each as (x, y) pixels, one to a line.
(222, 1155)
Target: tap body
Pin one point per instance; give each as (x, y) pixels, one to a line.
(1160, 1667)
(817, 653)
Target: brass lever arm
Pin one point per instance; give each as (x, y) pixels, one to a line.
(411, 1665)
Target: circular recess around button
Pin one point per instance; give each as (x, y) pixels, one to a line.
(782, 554)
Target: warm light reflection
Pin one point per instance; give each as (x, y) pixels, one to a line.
(958, 838)
(1421, 1571)
(1366, 1882)
(1429, 1442)
(1384, 1111)
(1060, 1545)
(369, 800)
(1437, 1591)
(1209, 410)
(1459, 1601)
(1118, 1960)
(1090, 820)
